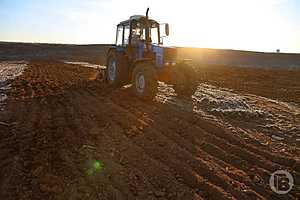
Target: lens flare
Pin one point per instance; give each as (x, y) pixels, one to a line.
(95, 167)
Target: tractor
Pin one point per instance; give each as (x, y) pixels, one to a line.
(139, 58)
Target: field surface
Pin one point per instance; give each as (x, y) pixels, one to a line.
(65, 135)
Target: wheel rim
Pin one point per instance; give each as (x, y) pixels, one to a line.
(112, 70)
(140, 82)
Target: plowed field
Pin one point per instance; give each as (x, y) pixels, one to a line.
(64, 135)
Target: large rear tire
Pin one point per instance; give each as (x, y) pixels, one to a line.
(144, 81)
(116, 72)
(185, 80)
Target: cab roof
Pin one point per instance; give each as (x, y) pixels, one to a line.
(138, 18)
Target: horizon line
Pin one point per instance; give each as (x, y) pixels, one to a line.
(111, 44)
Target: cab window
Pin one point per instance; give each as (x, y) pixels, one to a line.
(126, 35)
(154, 35)
(119, 40)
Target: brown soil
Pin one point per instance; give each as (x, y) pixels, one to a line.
(70, 137)
(273, 83)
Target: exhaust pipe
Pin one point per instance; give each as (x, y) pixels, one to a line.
(147, 13)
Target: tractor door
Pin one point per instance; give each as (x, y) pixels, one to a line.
(120, 52)
(122, 38)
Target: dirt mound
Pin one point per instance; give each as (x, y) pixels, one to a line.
(69, 137)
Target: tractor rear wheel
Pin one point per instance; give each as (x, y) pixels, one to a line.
(185, 80)
(144, 81)
(116, 70)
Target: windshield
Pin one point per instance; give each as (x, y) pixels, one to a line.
(139, 32)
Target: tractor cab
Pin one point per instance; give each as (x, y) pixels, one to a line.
(141, 38)
(140, 28)
(138, 57)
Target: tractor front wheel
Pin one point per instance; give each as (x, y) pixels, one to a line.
(185, 80)
(144, 81)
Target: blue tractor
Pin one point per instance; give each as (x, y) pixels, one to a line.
(139, 58)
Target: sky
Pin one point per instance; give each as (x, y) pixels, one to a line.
(256, 25)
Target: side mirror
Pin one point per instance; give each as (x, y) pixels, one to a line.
(164, 29)
(167, 29)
